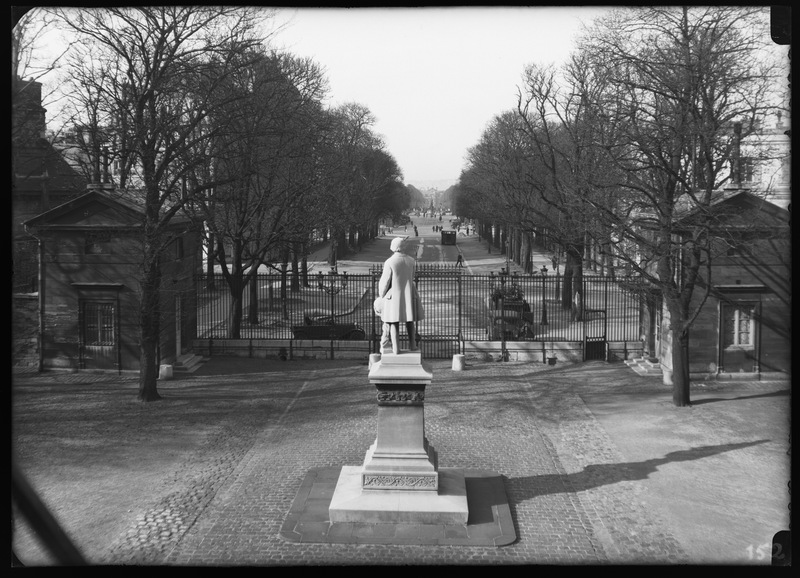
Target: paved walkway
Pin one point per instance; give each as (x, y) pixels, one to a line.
(478, 258)
(598, 466)
(585, 487)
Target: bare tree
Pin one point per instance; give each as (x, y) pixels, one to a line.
(571, 170)
(375, 192)
(349, 137)
(676, 82)
(638, 129)
(162, 68)
(499, 166)
(535, 164)
(263, 149)
(29, 35)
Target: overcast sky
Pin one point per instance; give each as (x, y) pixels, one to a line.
(432, 77)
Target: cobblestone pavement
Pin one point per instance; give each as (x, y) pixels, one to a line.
(598, 466)
(576, 497)
(161, 527)
(468, 421)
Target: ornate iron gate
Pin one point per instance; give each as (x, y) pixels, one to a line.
(459, 308)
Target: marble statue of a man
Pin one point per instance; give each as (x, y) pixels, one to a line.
(401, 302)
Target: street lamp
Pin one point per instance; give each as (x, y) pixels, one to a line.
(544, 301)
(332, 285)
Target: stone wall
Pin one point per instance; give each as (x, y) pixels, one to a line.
(25, 330)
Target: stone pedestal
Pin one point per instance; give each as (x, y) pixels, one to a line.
(401, 457)
(399, 481)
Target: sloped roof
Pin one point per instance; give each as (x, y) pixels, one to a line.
(39, 161)
(737, 209)
(97, 208)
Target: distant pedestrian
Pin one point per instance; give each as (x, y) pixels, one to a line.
(460, 261)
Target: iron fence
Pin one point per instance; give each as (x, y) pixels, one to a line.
(273, 309)
(458, 307)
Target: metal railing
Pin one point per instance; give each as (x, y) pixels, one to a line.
(458, 307)
(274, 311)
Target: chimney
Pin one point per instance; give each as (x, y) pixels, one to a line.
(108, 184)
(28, 114)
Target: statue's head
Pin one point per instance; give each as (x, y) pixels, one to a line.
(398, 244)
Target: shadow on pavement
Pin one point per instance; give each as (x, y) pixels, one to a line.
(596, 475)
(780, 392)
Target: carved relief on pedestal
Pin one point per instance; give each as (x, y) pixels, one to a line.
(399, 482)
(400, 397)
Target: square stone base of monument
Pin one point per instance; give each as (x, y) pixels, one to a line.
(489, 522)
(352, 503)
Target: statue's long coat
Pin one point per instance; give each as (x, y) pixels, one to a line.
(398, 288)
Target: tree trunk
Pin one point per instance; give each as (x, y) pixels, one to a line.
(149, 327)
(527, 265)
(608, 258)
(284, 275)
(341, 244)
(333, 252)
(295, 280)
(304, 265)
(271, 292)
(210, 277)
(148, 371)
(566, 289)
(236, 310)
(252, 307)
(572, 296)
(648, 324)
(680, 368)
